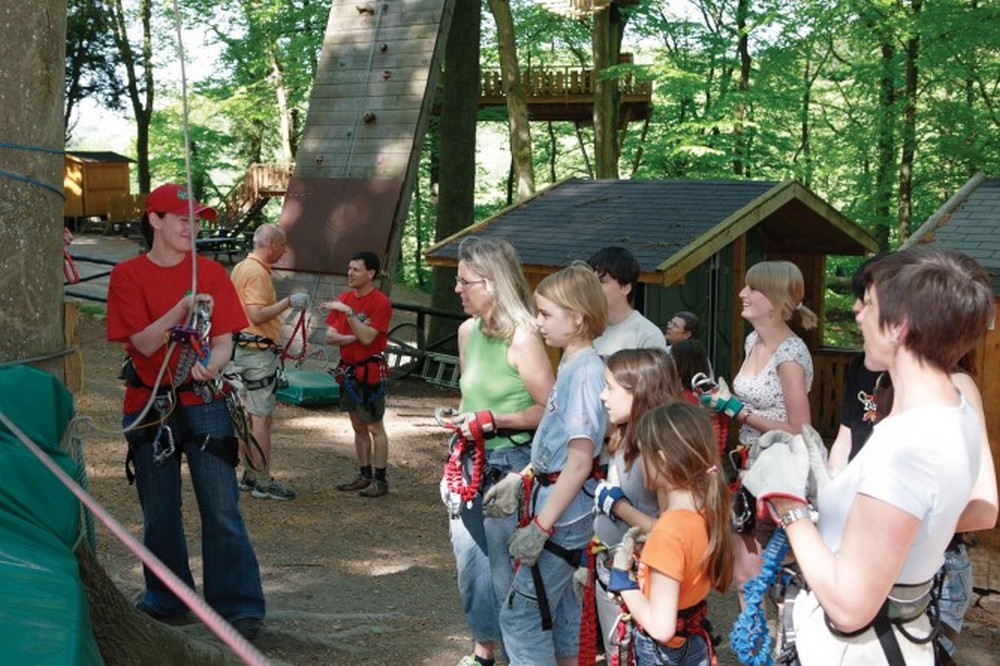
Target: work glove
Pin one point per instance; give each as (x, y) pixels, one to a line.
(780, 470)
(764, 442)
(503, 498)
(722, 400)
(299, 300)
(606, 495)
(820, 473)
(580, 579)
(527, 543)
(622, 564)
(475, 425)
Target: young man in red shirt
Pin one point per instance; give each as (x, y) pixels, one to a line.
(358, 324)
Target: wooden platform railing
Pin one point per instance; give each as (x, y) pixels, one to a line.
(261, 181)
(560, 82)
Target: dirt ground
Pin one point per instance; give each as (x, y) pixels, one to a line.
(349, 580)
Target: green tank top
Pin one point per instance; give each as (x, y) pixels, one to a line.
(489, 381)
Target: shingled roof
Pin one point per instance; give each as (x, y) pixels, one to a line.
(670, 226)
(974, 228)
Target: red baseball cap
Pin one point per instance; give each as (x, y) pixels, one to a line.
(171, 198)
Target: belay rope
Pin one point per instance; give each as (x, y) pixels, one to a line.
(750, 638)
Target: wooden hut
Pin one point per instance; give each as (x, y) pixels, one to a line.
(969, 222)
(91, 179)
(694, 241)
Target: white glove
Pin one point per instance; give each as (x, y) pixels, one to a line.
(504, 497)
(820, 473)
(299, 300)
(765, 441)
(622, 574)
(780, 470)
(481, 423)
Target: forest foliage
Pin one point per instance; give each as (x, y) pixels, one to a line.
(883, 107)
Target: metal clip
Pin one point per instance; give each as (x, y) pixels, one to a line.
(703, 383)
(162, 452)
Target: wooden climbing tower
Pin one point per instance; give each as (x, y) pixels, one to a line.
(371, 100)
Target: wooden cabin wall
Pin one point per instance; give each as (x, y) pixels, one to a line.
(986, 362)
(73, 188)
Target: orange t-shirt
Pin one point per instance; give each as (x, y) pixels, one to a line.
(252, 279)
(676, 548)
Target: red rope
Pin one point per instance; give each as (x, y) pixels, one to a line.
(624, 633)
(69, 269)
(300, 325)
(587, 651)
(453, 472)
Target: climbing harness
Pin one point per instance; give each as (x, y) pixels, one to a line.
(299, 328)
(750, 638)
(361, 390)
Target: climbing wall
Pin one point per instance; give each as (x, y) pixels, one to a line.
(368, 113)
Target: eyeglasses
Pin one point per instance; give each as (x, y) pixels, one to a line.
(459, 280)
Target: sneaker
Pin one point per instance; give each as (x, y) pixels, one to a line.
(359, 483)
(273, 490)
(377, 488)
(248, 482)
(248, 627)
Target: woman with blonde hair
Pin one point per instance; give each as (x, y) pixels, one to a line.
(506, 378)
(771, 390)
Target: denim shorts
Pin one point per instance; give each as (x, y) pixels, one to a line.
(520, 615)
(956, 592)
(648, 652)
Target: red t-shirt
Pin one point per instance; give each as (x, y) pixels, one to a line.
(373, 309)
(140, 292)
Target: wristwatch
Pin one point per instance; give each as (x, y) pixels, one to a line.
(798, 513)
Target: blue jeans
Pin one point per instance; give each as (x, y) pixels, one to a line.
(485, 569)
(231, 575)
(520, 618)
(648, 652)
(956, 592)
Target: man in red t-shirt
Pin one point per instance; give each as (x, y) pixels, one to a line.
(358, 324)
(149, 303)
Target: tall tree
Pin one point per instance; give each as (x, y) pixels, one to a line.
(138, 64)
(91, 58)
(608, 30)
(517, 103)
(457, 147)
(32, 61)
(909, 127)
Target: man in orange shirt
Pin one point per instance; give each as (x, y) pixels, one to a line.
(256, 360)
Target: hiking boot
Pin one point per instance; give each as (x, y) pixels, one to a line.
(377, 488)
(359, 483)
(248, 482)
(273, 489)
(248, 627)
(187, 617)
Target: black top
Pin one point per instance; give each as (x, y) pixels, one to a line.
(858, 413)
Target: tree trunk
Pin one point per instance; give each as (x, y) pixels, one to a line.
(886, 142)
(32, 65)
(739, 112)
(608, 28)
(141, 98)
(517, 103)
(459, 109)
(908, 133)
(284, 112)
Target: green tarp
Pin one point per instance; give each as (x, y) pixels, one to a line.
(309, 388)
(44, 615)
